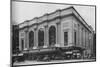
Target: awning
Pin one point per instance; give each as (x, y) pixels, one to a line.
(42, 51)
(52, 50)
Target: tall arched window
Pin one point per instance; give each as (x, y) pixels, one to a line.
(31, 39)
(41, 37)
(52, 35)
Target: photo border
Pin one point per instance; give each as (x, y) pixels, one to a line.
(11, 64)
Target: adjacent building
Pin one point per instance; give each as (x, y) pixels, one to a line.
(15, 39)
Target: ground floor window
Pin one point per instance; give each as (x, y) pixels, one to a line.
(65, 38)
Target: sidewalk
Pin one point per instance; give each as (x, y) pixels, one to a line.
(55, 61)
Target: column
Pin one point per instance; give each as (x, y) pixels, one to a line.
(58, 32)
(80, 37)
(83, 38)
(35, 38)
(46, 36)
(86, 40)
(26, 40)
(91, 43)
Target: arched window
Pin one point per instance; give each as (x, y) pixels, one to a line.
(52, 35)
(31, 39)
(40, 37)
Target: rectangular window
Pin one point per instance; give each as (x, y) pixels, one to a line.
(22, 44)
(65, 38)
(85, 39)
(75, 37)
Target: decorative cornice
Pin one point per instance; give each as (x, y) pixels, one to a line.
(60, 16)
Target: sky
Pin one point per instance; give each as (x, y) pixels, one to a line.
(22, 11)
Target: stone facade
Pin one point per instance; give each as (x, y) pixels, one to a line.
(67, 23)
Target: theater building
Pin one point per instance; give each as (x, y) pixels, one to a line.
(60, 29)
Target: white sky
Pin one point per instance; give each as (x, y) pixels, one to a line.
(22, 11)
